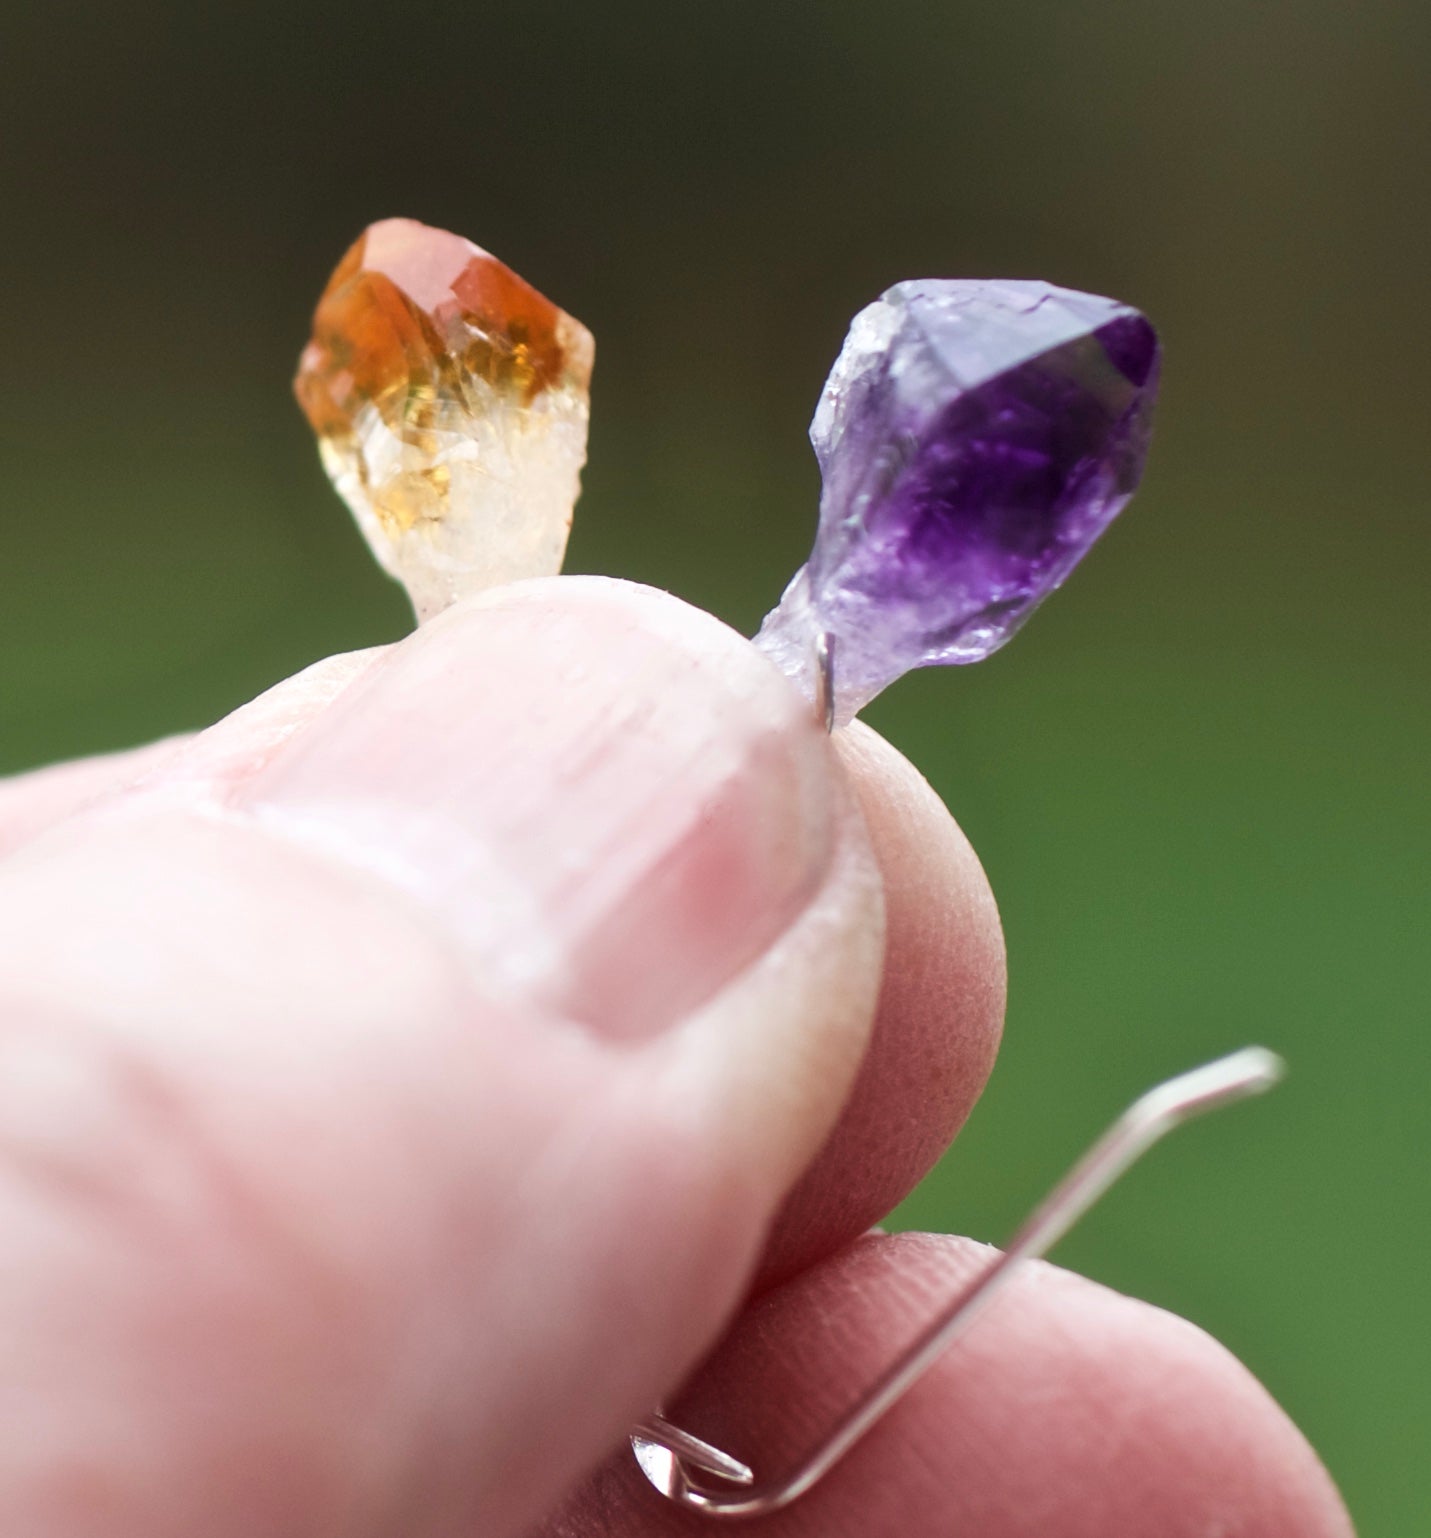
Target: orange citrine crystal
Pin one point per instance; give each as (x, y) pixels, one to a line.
(450, 400)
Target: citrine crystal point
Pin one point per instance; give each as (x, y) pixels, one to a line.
(450, 401)
(975, 437)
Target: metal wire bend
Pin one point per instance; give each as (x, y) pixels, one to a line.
(674, 1460)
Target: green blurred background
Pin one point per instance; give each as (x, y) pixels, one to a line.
(1197, 780)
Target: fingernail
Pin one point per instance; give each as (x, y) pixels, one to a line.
(609, 800)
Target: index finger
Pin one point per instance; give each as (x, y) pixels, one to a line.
(1068, 1411)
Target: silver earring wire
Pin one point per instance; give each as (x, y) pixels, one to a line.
(825, 679)
(673, 1459)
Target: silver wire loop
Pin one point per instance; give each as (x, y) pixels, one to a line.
(673, 1459)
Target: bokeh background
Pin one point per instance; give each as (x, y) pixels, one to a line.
(1198, 779)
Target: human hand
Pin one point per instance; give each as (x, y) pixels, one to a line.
(398, 1082)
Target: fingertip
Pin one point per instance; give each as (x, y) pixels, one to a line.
(392, 1107)
(1066, 1411)
(938, 1023)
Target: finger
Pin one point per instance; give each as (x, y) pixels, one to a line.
(215, 763)
(332, 1093)
(1068, 1411)
(29, 803)
(941, 1003)
(238, 745)
(936, 1034)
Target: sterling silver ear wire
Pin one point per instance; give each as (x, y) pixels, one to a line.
(825, 680)
(673, 1459)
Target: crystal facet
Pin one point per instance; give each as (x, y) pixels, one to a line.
(974, 438)
(450, 403)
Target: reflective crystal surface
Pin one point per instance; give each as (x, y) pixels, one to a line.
(450, 400)
(974, 438)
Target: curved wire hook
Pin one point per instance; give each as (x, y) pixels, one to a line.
(673, 1459)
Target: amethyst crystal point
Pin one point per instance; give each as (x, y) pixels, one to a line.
(974, 438)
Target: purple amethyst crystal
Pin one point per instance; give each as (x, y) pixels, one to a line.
(974, 438)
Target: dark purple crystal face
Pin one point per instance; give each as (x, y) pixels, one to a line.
(975, 438)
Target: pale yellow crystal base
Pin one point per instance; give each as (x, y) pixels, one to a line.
(482, 494)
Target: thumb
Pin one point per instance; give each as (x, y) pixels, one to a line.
(383, 1129)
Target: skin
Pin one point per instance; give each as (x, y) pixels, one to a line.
(407, 1082)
